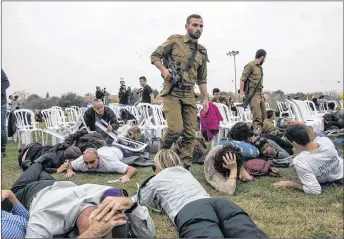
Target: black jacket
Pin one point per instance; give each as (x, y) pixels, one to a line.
(54, 154)
(108, 116)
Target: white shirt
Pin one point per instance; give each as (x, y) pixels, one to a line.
(319, 166)
(109, 161)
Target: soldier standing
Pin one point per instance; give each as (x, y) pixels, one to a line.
(179, 101)
(253, 76)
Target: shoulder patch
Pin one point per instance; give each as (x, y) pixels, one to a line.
(202, 49)
(174, 36)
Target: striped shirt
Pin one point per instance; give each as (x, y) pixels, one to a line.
(14, 225)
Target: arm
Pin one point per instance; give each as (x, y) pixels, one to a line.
(151, 97)
(218, 180)
(147, 195)
(160, 53)
(141, 222)
(244, 77)
(203, 90)
(113, 119)
(18, 208)
(71, 138)
(131, 171)
(309, 182)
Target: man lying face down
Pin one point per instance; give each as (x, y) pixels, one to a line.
(52, 156)
(60, 207)
(105, 159)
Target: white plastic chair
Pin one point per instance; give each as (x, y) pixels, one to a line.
(25, 121)
(307, 115)
(148, 122)
(52, 126)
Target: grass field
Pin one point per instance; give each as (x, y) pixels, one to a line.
(278, 212)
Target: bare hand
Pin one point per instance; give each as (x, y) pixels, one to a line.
(281, 184)
(102, 227)
(166, 74)
(69, 174)
(62, 168)
(109, 128)
(124, 179)
(110, 206)
(229, 161)
(205, 106)
(6, 194)
(242, 95)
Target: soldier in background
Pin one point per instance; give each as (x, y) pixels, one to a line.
(253, 76)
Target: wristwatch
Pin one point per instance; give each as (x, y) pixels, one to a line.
(132, 207)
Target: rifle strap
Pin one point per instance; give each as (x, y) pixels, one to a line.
(191, 59)
(255, 89)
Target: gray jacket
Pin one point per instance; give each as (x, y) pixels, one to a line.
(170, 190)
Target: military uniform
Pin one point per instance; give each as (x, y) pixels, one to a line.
(180, 106)
(268, 126)
(253, 72)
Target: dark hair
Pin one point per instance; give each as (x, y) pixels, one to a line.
(240, 132)
(192, 16)
(260, 53)
(216, 90)
(143, 78)
(72, 152)
(331, 105)
(218, 160)
(298, 134)
(269, 113)
(260, 142)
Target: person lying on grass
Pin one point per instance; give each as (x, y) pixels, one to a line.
(58, 208)
(196, 214)
(221, 168)
(105, 159)
(318, 163)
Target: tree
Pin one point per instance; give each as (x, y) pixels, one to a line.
(70, 99)
(47, 96)
(22, 95)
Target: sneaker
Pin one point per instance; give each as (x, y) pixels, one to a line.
(3, 154)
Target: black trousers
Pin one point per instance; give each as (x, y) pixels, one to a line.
(215, 217)
(30, 182)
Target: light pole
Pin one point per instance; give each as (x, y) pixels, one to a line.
(233, 53)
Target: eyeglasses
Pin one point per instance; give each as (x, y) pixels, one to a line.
(91, 162)
(153, 168)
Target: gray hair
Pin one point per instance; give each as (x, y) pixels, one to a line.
(96, 100)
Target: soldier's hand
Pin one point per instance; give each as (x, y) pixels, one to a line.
(166, 74)
(205, 106)
(242, 95)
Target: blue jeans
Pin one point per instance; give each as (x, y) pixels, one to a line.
(3, 128)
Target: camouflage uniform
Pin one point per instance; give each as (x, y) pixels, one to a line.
(180, 106)
(254, 73)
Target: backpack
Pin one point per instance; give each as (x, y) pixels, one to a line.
(259, 167)
(210, 120)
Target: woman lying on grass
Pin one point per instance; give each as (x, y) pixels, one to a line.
(196, 214)
(221, 168)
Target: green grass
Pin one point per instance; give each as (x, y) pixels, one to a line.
(278, 212)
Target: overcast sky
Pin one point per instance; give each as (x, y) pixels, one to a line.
(58, 47)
